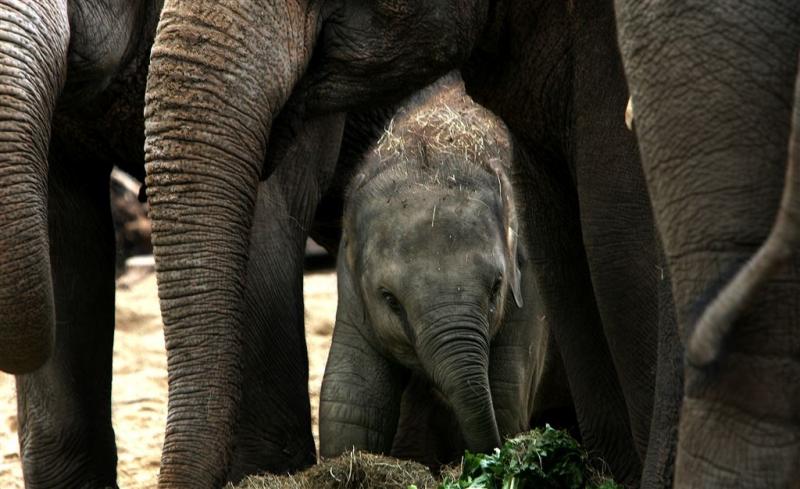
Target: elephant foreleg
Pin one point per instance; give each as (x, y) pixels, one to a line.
(66, 436)
(361, 389)
(360, 398)
(558, 261)
(273, 429)
(526, 373)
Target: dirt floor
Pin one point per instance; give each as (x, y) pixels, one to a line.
(140, 380)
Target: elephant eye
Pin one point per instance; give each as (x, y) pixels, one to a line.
(391, 301)
(498, 284)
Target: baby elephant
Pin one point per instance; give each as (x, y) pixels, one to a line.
(430, 274)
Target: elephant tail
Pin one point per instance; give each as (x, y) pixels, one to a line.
(708, 337)
(33, 54)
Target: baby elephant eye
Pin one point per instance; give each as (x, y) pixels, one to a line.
(495, 297)
(498, 284)
(391, 301)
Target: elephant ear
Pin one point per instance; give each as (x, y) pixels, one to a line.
(349, 300)
(515, 276)
(510, 227)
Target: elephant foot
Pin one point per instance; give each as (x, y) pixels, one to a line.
(75, 456)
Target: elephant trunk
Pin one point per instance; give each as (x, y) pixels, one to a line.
(455, 354)
(220, 71)
(706, 342)
(33, 58)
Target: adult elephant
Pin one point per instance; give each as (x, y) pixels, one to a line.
(72, 80)
(222, 71)
(713, 88)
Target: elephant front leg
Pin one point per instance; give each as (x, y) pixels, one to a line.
(66, 438)
(558, 262)
(273, 431)
(526, 373)
(427, 429)
(361, 390)
(273, 427)
(360, 398)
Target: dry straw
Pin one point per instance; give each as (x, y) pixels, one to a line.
(354, 470)
(443, 121)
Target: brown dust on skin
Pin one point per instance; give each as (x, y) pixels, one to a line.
(139, 389)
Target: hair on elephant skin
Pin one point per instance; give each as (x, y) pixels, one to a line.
(222, 74)
(718, 131)
(430, 291)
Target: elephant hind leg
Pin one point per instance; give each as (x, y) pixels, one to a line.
(64, 407)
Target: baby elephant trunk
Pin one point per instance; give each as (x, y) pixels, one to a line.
(455, 354)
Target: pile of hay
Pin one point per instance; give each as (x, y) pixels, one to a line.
(543, 458)
(355, 470)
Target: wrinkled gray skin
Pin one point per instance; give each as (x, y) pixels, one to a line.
(428, 265)
(73, 77)
(713, 87)
(552, 71)
(221, 75)
(210, 57)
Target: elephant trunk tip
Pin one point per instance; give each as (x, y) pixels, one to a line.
(28, 340)
(28, 363)
(716, 323)
(706, 341)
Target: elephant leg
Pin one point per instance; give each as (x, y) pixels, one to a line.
(631, 285)
(66, 437)
(361, 390)
(273, 429)
(558, 260)
(616, 218)
(360, 398)
(427, 430)
(526, 373)
(627, 266)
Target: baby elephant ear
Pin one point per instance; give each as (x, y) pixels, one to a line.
(514, 275)
(511, 224)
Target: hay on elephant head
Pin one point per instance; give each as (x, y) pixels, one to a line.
(354, 470)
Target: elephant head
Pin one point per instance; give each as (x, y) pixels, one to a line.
(33, 51)
(433, 285)
(220, 73)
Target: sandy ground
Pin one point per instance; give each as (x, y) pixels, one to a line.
(140, 380)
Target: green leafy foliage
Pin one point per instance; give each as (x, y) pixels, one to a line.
(540, 459)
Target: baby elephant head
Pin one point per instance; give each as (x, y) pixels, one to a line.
(431, 245)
